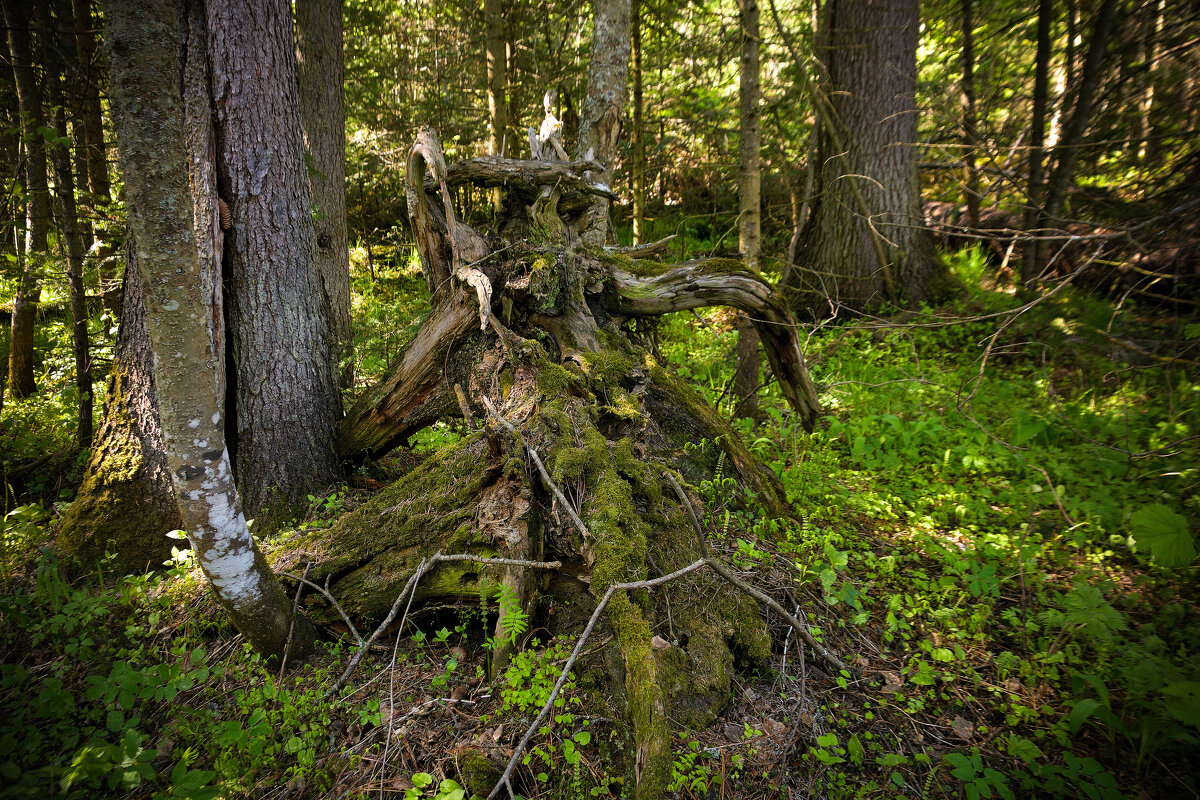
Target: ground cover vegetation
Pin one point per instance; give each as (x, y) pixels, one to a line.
(975, 568)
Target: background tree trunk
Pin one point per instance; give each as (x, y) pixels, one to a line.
(1037, 138)
(970, 132)
(600, 120)
(320, 74)
(865, 240)
(184, 332)
(54, 45)
(282, 371)
(29, 98)
(96, 152)
(638, 145)
(495, 52)
(745, 379)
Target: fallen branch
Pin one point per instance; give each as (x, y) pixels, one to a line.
(648, 249)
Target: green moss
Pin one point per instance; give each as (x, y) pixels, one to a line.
(555, 380)
(475, 772)
(122, 506)
(644, 696)
(373, 550)
(608, 367)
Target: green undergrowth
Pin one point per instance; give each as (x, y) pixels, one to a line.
(1000, 516)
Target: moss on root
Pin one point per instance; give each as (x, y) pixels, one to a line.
(125, 504)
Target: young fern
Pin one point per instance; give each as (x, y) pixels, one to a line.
(514, 622)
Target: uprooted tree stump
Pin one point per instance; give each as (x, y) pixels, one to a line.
(529, 324)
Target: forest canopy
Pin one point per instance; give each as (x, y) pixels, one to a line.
(621, 398)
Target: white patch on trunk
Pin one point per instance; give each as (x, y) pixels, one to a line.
(193, 423)
(216, 419)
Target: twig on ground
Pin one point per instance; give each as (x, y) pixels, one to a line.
(410, 590)
(562, 677)
(330, 598)
(799, 627)
(292, 624)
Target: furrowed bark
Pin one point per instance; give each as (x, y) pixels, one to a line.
(285, 382)
(600, 122)
(320, 75)
(144, 37)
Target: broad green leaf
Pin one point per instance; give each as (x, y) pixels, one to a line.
(1183, 702)
(1164, 535)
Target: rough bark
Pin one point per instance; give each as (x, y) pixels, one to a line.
(320, 68)
(600, 120)
(605, 417)
(1037, 138)
(68, 225)
(745, 377)
(29, 98)
(865, 241)
(146, 41)
(282, 370)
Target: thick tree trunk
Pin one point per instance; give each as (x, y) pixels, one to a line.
(322, 107)
(865, 241)
(600, 121)
(29, 98)
(745, 379)
(281, 338)
(175, 242)
(68, 228)
(496, 56)
(608, 420)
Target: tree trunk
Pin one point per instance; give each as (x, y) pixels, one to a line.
(600, 120)
(745, 379)
(638, 146)
(1145, 122)
(281, 339)
(320, 77)
(969, 123)
(126, 502)
(1037, 138)
(495, 53)
(29, 99)
(96, 153)
(865, 240)
(176, 237)
(608, 420)
(68, 230)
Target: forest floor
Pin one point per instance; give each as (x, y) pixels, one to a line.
(994, 526)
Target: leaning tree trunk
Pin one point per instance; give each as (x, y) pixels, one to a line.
(532, 325)
(865, 240)
(125, 504)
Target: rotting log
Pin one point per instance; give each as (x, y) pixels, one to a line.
(528, 327)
